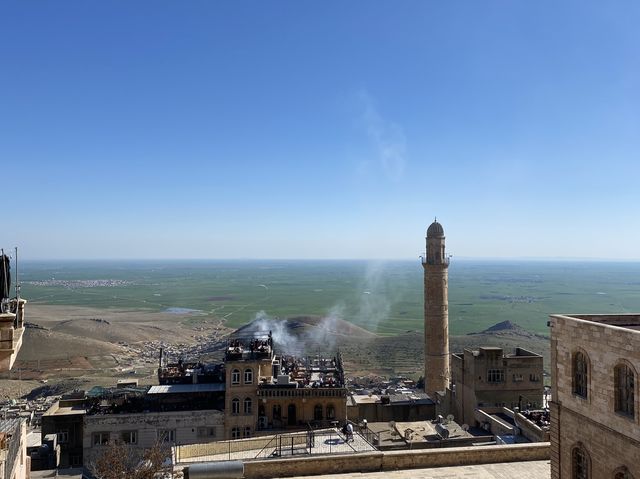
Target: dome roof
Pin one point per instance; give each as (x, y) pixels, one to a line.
(435, 230)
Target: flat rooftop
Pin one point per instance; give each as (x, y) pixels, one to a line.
(627, 321)
(521, 470)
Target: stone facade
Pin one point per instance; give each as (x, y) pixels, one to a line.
(11, 331)
(14, 463)
(436, 312)
(266, 392)
(595, 416)
(65, 420)
(146, 429)
(487, 377)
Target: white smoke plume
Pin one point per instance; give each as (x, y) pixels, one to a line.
(387, 138)
(375, 300)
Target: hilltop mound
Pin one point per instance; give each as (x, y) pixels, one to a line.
(41, 344)
(308, 326)
(104, 330)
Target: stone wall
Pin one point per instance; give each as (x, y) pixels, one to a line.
(186, 424)
(611, 439)
(394, 460)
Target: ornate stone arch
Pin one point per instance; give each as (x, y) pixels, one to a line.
(625, 386)
(580, 373)
(622, 473)
(580, 462)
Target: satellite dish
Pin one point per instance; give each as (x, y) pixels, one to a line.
(450, 418)
(465, 427)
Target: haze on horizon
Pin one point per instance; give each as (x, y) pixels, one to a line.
(157, 129)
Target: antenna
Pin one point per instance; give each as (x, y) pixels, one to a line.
(17, 281)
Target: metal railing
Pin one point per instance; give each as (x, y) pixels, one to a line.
(308, 443)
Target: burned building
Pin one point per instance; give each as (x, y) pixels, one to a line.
(267, 392)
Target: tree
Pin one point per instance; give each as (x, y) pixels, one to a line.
(122, 461)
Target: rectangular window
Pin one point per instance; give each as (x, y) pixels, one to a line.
(495, 375)
(63, 436)
(534, 378)
(100, 438)
(130, 437)
(517, 378)
(208, 431)
(167, 435)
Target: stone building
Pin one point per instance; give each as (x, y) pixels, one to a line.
(14, 462)
(436, 313)
(487, 377)
(174, 414)
(11, 317)
(595, 414)
(266, 392)
(65, 419)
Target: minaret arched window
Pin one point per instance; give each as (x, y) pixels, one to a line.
(580, 374)
(625, 383)
(580, 463)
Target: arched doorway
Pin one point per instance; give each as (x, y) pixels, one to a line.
(291, 415)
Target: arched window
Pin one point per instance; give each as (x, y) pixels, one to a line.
(277, 411)
(235, 376)
(580, 463)
(235, 406)
(235, 433)
(248, 376)
(247, 431)
(317, 412)
(580, 374)
(331, 412)
(625, 383)
(623, 473)
(247, 405)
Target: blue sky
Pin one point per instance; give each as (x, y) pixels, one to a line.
(319, 129)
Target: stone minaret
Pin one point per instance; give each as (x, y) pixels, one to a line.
(436, 312)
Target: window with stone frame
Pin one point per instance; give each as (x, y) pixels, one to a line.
(63, 436)
(235, 376)
(235, 433)
(248, 376)
(625, 383)
(331, 412)
(235, 406)
(129, 437)
(100, 438)
(247, 431)
(167, 436)
(580, 374)
(580, 463)
(248, 405)
(623, 473)
(317, 412)
(495, 375)
(277, 411)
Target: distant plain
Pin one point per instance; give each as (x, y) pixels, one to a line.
(385, 298)
(93, 322)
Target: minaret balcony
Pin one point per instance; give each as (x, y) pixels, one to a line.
(435, 261)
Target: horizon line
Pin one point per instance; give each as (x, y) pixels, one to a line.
(455, 258)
